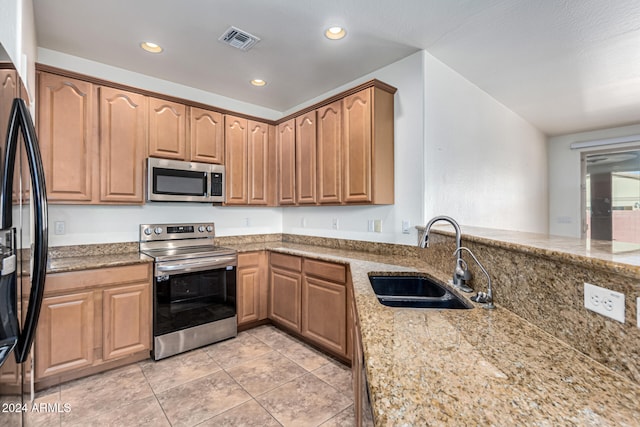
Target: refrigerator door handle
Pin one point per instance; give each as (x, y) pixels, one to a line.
(20, 122)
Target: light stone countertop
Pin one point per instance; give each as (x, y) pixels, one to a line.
(471, 367)
(459, 367)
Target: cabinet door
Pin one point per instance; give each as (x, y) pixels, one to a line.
(249, 286)
(258, 163)
(329, 174)
(306, 158)
(123, 131)
(167, 129)
(126, 317)
(286, 162)
(236, 159)
(324, 313)
(64, 338)
(356, 153)
(207, 136)
(9, 84)
(66, 132)
(284, 298)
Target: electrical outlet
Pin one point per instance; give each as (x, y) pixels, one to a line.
(59, 228)
(377, 225)
(247, 222)
(405, 226)
(334, 223)
(303, 222)
(604, 301)
(370, 225)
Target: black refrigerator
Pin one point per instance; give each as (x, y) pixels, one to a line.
(23, 248)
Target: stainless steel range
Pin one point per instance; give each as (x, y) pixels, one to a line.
(194, 288)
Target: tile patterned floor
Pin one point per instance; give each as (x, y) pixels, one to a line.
(263, 377)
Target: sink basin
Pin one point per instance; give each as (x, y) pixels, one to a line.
(416, 291)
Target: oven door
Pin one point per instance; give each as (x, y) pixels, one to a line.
(185, 299)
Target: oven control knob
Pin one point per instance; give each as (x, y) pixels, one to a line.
(148, 231)
(201, 229)
(158, 230)
(209, 228)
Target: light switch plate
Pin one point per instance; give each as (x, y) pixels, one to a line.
(604, 301)
(405, 226)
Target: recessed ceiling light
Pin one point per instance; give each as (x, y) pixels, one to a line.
(258, 82)
(335, 33)
(151, 47)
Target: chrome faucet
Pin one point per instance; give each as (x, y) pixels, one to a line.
(461, 273)
(481, 297)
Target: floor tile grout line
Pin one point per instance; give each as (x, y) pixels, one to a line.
(156, 396)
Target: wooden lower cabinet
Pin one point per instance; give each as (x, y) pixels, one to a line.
(324, 313)
(91, 320)
(64, 338)
(311, 297)
(284, 297)
(125, 313)
(252, 287)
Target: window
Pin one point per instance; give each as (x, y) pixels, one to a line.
(611, 197)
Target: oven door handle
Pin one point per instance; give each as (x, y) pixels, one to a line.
(194, 266)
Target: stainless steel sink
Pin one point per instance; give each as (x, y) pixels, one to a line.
(416, 291)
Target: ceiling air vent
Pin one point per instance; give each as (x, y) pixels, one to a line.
(239, 39)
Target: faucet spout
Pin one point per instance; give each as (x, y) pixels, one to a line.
(461, 273)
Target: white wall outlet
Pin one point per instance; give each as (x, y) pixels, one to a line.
(303, 222)
(638, 311)
(377, 225)
(370, 225)
(334, 223)
(604, 301)
(59, 227)
(405, 226)
(247, 222)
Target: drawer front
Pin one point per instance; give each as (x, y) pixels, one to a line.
(249, 259)
(288, 262)
(58, 282)
(326, 270)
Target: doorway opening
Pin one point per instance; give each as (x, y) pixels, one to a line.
(611, 197)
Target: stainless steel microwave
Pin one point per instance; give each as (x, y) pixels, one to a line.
(177, 181)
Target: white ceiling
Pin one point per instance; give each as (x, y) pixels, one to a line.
(563, 65)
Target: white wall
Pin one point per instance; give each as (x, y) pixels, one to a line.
(565, 216)
(18, 38)
(406, 75)
(109, 224)
(484, 164)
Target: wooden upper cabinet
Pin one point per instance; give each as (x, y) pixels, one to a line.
(306, 158)
(123, 131)
(259, 177)
(236, 132)
(167, 129)
(286, 162)
(67, 134)
(329, 173)
(206, 136)
(367, 141)
(9, 89)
